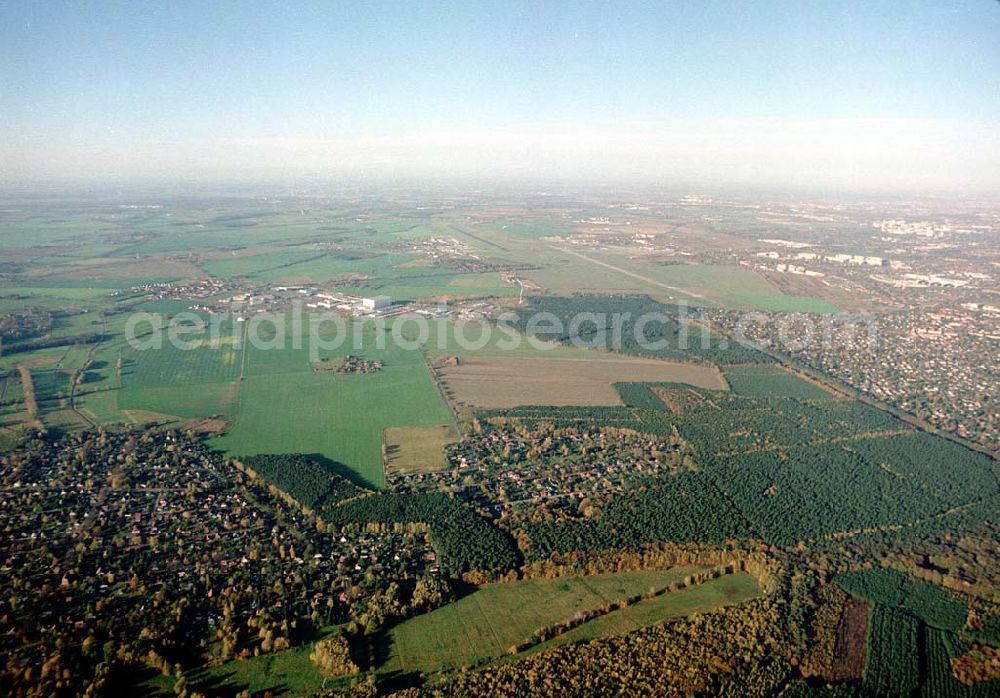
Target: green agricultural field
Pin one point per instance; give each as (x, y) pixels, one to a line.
(481, 283)
(486, 623)
(59, 419)
(697, 284)
(715, 593)
(13, 415)
(229, 231)
(733, 287)
(184, 401)
(24, 231)
(50, 383)
(47, 357)
(286, 407)
(101, 407)
(201, 359)
(277, 402)
(10, 387)
(772, 381)
(572, 275)
(64, 293)
(401, 275)
(249, 265)
(434, 287)
(326, 268)
(74, 357)
(527, 229)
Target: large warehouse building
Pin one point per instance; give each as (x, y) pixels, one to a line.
(376, 303)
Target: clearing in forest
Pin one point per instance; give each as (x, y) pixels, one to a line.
(852, 642)
(417, 448)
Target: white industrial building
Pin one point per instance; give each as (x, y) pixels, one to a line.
(376, 303)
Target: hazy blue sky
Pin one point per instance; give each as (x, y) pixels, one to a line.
(881, 94)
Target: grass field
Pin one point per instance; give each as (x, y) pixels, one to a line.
(50, 383)
(501, 381)
(65, 293)
(101, 407)
(716, 593)
(277, 403)
(253, 263)
(488, 622)
(417, 449)
(286, 407)
(734, 287)
(200, 359)
(187, 401)
(60, 419)
(699, 284)
(576, 275)
(403, 276)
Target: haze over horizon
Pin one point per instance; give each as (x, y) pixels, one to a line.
(898, 96)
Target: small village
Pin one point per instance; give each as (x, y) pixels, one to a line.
(156, 515)
(502, 467)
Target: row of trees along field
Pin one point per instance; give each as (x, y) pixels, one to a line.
(49, 342)
(726, 652)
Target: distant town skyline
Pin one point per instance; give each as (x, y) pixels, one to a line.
(889, 96)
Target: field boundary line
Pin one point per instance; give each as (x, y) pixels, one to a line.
(457, 421)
